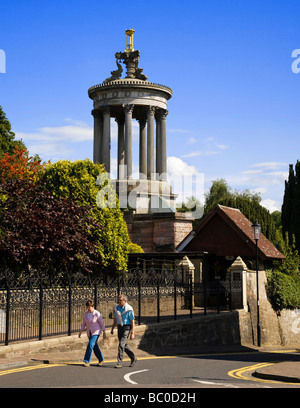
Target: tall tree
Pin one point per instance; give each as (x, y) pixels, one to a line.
(7, 137)
(290, 211)
(79, 181)
(219, 191)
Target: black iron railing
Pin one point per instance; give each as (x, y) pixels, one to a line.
(34, 306)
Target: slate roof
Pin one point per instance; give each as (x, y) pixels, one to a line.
(234, 218)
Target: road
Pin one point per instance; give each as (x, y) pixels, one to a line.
(223, 370)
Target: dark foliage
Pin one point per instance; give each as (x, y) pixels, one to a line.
(39, 230)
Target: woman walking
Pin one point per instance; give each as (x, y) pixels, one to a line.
(94, 325)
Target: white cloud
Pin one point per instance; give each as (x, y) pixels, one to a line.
(266, 178)
(211, 148)
(222, 146)
(178, 131)
(50, 151)
(69, 133)
(270, 165)
(271, 205)
(260, 190)
(185, 180)
(176, 166)
(249, 172)
(59, 142)
(201, 153)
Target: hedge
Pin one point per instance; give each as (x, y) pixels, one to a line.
(283, 290)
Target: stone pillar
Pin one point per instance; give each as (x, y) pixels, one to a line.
(143, 150)
(188, 269)
(158, 151)
(106, 138)
(163, 145)
(238, 273)
(128, 138)
(121, 148)
(150, 141)
(98, 136)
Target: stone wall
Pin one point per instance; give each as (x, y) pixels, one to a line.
(289, 327)
(221, 330)
(182, 334)
(160, 232)
(276, 329)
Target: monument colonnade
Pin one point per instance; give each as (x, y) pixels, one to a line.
(152, 154)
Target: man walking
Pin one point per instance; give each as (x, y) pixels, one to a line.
(124, 318)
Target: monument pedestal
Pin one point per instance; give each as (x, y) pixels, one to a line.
(145, 196)
(158, 232)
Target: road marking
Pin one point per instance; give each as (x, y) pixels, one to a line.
(127, 376)
(238, 373)
(214, 383)
(29, 368)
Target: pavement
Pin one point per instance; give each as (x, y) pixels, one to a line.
(69, 349)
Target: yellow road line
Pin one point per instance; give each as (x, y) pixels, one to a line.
(29, 368)
(239, 374)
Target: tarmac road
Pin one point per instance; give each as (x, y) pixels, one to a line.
(219, 370)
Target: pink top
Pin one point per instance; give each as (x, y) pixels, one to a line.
(95, 325)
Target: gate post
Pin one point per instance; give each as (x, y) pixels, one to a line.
(238, 273)
(41, 311)
(7, 314)
(188, 269)
(70, 309)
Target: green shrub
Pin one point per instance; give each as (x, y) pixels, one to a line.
(79, 180)
(283, 290)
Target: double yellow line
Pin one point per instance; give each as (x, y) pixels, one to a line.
(239, 373)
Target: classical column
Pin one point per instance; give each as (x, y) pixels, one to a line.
(121, 148)
(163, 145)
(128, 138)
(158, 151)
(106, 138)
(98, 134)
(143, 149)
(150, 141)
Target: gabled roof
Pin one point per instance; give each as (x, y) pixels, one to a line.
(231, 219)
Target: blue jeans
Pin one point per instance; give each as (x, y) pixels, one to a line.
(93, 346)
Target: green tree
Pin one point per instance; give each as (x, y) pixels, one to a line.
(290, 211)
(88, 184)
(40, 231)
(7, 137)
(218, 193)
(276, 215)
(283, 281)
(290, 265)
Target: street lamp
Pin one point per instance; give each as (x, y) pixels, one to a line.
(256, 234)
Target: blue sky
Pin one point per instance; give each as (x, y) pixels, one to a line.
(234, 113)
